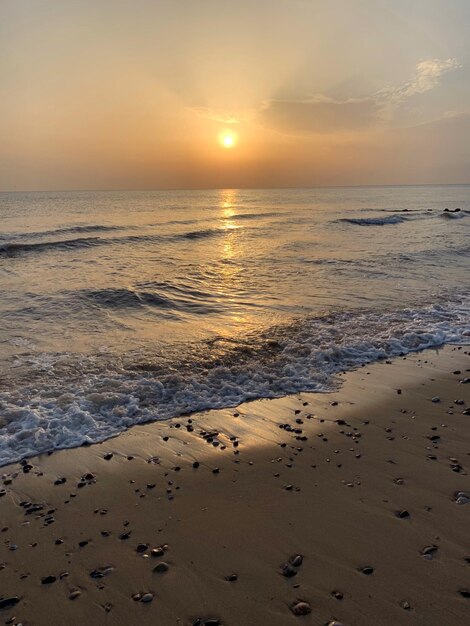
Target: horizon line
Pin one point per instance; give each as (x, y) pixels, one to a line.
(261, 188)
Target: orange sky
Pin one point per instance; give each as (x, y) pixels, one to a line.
(99, 94)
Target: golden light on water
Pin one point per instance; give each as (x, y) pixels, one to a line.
(228, 139)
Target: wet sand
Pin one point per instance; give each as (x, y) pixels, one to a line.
(344, 506)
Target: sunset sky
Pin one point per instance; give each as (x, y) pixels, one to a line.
(127, 94)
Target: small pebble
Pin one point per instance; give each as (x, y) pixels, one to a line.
(301, 608)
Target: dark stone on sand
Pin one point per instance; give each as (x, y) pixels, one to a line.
(88, 476)
(83, 543)
(33, 508)
(288, 570)
(216, 470)
(429, 551)
(367, 570)
(465, 593)
(74, 594)
(466, 411)
(157, 551)
(125, 535)
(108, 456)
(48, 580)
(101, 572)
(60, 481)
(146, 597)
(461, 497)
(296, 560)
(196, 464)
(301, 608)
(143, 597)
(337, 594)
(7, 603)
(141, 547)
(161, 568)
(403, 514)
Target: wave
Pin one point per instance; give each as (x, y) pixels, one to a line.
(12, 249)
(66, 230)
(373, 221)
(172, 299)
(452, 215)
(201, 234)
(71, 399)
(252, 216)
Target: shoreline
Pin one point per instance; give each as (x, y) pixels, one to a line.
(329, 493)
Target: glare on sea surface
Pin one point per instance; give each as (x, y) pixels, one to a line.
(228, 139)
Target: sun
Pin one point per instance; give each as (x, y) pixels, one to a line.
(228, 139)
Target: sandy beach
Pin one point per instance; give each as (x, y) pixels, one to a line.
(343, 506)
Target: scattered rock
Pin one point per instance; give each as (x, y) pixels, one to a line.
(141, 547)
(288, 571)
(101, 572)
(296, 560)
(161, 568)
(429, 552)
(7, 603)
(461, 497)
(125, 536)
(48, 580)
(301, 608)
(146, 597)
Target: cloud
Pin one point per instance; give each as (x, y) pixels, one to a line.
(224, 117)
(427, 76)
(321, 114)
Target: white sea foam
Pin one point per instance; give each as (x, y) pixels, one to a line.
(57, 410)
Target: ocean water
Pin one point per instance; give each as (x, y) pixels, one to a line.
(119, 308)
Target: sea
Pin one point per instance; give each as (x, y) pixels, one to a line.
(124, 307)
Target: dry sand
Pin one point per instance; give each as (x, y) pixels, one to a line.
(329, 493)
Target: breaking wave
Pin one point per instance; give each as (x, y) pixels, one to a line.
(66, 400)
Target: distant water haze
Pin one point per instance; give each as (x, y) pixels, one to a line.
(124, 307)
